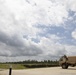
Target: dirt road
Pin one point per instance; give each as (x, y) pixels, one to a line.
(42, 71)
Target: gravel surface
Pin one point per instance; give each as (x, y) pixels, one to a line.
(42, 71)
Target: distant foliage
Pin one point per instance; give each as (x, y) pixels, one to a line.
(36, 62)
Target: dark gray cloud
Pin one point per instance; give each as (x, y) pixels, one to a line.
(16, 46)
(10, 40)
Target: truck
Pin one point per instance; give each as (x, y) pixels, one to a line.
(66, 61)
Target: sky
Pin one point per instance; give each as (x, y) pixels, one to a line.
(37, 29)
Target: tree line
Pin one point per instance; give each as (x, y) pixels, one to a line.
(35, 62)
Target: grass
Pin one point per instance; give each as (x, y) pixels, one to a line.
(25, 66)
(14, 66)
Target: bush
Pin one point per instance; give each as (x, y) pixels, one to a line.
(39, 65)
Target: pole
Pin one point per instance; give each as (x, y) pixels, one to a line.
(10, 70)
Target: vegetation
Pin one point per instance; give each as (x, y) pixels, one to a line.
(29, 64)
(14, 66)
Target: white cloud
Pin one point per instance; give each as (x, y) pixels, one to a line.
(74, 34)
(72, 5)
(18, 20)
(71, 50)
(44, 12)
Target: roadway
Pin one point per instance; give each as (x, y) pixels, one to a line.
(42, 71)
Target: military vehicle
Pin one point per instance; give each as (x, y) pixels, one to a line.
(65, 61)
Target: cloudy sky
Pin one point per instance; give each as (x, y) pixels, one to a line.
(37, 29)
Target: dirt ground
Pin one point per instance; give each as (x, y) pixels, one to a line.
(42, 71)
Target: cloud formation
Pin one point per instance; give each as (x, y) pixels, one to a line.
(33, 29)
(74, 34)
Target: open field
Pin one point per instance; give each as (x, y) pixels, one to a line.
(25, 66)
(42, 71)
(14, 66)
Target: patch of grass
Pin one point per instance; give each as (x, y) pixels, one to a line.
(4, 66)
(14, 66)
(25, 66)
(18, 66)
